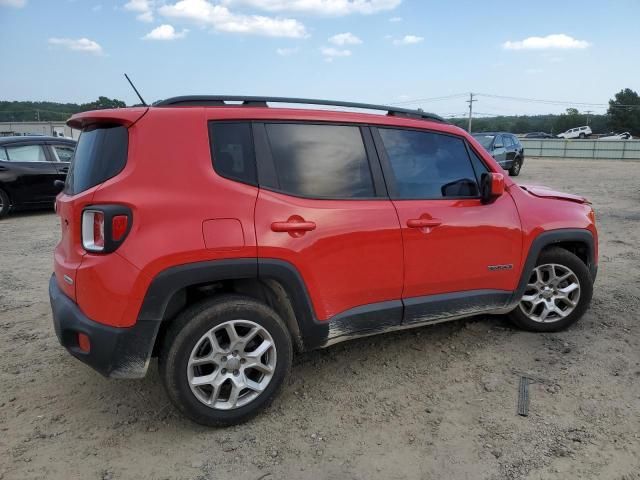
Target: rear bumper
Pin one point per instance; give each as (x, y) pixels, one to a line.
(114, 352)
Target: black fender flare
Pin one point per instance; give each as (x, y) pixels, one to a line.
(549, 238)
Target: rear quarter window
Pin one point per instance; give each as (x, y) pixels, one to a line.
(101, 154)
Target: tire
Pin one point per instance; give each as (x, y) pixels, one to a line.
(563, 261)
(582, 136)
(5, 204)
(514, 171)
(188, 332)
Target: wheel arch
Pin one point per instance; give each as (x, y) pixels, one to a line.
(580, 242)
(273, 282)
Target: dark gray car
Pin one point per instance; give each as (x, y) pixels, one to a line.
(505, 148)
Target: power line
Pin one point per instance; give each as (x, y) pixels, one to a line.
(432, 99)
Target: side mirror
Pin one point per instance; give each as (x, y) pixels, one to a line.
(491, 186)
(58, 185)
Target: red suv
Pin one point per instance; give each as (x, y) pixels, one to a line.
(222, 237)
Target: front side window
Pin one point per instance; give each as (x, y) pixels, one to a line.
(322, 161)
(63, 153)
(427, 165)
(232, 151)
(507, 141)
(26, 153)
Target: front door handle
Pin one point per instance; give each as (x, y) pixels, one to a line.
(423, 222)
(294, 225)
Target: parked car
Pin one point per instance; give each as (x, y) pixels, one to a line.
(505, 148)
(579, 132)
(617, 136)
(538, 135)
(262, 231)
(29, 167)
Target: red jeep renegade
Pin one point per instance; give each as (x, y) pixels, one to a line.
(220, 237)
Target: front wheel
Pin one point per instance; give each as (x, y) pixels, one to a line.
(514, 171)
(224, 360)
(557, 294)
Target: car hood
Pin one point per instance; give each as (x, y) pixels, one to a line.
(545, 192)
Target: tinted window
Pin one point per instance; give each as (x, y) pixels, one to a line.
(326, 161)
(63, 153)
(428, 165)
(101, 154)
(507, 141)
(232, 151)
(484, 140)
(26, 153)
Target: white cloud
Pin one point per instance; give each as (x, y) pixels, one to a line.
(554, 41)
(395, 19)
(408, 40)
(347, 38)
(144, 9)
(286, 52)
(329, 53)
(205, 13)
(13, 3)
(79, 45)
(320, 7)
(165, 32)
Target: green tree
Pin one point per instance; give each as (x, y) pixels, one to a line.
(624, 112)
(102, 103)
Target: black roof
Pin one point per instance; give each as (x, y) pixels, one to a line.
(251, 101)
(35, 139)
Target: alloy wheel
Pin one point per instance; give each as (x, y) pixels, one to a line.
(231, 364)
(553, 292)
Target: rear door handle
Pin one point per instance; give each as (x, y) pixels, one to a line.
(293, 225)
(423, 222)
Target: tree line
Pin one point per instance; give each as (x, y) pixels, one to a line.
(623, 115)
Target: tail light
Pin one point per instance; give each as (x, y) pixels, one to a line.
(105, 227)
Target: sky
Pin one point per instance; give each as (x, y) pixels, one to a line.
(407, 52)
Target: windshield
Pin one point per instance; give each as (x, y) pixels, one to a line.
(485, 140)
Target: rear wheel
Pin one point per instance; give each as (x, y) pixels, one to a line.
(558, 293)
(5, 204)
(224, 360)
(582, 135)
(514, 171)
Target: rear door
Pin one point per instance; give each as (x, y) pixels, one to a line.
(35, 173)
(322, 209)
(62, 153)
(459, 253)
(510, 150)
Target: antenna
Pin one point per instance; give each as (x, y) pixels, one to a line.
(135, 90)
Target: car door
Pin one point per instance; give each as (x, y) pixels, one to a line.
(510, 150)
(62, 153)
(498, 150)
(34, 173)
(323, 209)
(459, 253)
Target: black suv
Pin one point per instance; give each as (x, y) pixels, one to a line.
(29, 167)
(505, 148)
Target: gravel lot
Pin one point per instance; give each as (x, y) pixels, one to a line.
(437, 402)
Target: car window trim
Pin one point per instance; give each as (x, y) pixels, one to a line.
(388, 170)
(267, 174)
(212, 155)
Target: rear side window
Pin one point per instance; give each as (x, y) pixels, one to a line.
(101, 154)
(323, 161)
(232, 151)
(63, 153)
(26, 153)
(427, 165)
(507, 141)
(3, 155)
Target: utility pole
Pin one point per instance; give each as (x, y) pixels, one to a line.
(38, 115)
(588, 112)
(470, 102)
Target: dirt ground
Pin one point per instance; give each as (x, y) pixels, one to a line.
(437, 402)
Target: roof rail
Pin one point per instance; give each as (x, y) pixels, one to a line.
(219, 100)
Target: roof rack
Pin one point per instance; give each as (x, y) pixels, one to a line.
(220, 100)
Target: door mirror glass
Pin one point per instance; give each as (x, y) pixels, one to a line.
(491, 186)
